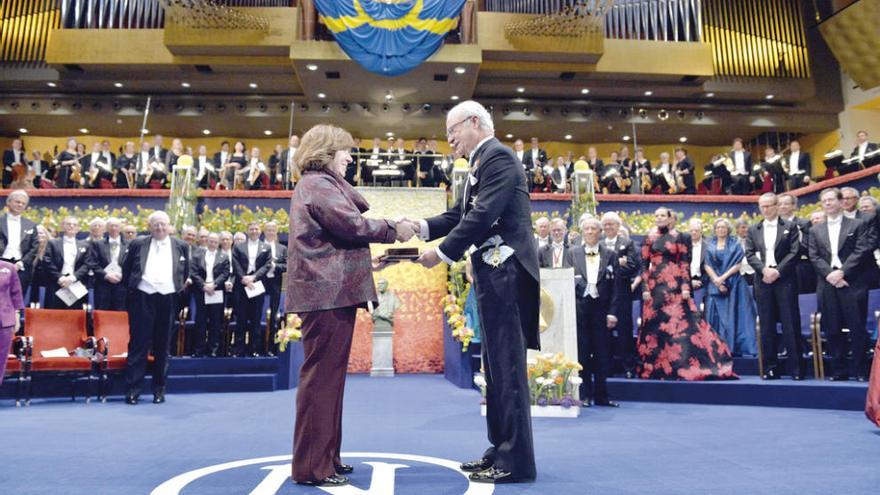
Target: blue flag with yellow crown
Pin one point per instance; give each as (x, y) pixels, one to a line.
(389, 37)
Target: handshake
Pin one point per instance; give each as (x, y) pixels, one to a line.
(406, 228)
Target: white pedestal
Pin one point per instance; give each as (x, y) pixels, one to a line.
(383, 350)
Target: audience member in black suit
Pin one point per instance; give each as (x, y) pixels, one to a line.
(157, 152)
(154, 269)
(685, 169)
(742, 175)
(65, 263)
(22, 233)
(800, 168)
(697, 269)
(37, 273)
(840, 248)
(534, 156)
(273, 279)
(776, 287)
(806, 275)
(288, 170)
(11, 157)
(868, 208)
(623, 342)
(105, 262)
(596, 298)
(552, 255)
(850, 203)
(251, 261)
(862, 148)
(209, 269)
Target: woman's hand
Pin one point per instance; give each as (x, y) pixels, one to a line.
(379, 263)
(646, 295)
(686, 294)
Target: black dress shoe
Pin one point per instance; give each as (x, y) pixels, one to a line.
(475, 466)
(159, 398)
(131, 400)
(494, 475)
(770, 375)
(607, 403)
(332, 480)
(839, 378)
(585, 403)
(344, 469)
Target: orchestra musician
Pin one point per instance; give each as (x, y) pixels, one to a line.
(67, 160)
(663, 178)
(642, 171)
(684, 172)
(862, 148)
(742, 179)
(799, 166)
(254, 173)
(594, 161)
(126, 167)
(12, 157)
(206, 175)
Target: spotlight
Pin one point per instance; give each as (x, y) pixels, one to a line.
(505, 110)
(643, 113)
(365, 106)
(200, 107)
(55, 105)
(700, 115)
(527, 110)
(385, 107)
(283, 108)
(405, 107)
(263, 107)
(344, 108)
(116, 106)
(221, 107)
(35, 105)
(96, 106)
(603, 113)
(325, 108)
(426, 108)
(76, 105)
(623, 113)
(23, 130)
(303, 107)
(446, 108)
(145, 131)
(586, 112)
(662, 115)
(680, 114)
(388, 95)
(546, 111)
(241, 107)
(389, 134)
(564, 112)
(179, 106)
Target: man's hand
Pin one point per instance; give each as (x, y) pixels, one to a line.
(697, 284)
(405, 230)
(769, 275)
(686, 294)
(611, 321)
(646, 295)
(380, 264)
(210, 288)
(429, 258)
(621, 261)
(248, 280)
(63, 282)
(834, 278)
(228, 286)
(113, 277)
(19, 265)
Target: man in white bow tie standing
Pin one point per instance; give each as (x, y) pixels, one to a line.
(18, 237)
(154, 269)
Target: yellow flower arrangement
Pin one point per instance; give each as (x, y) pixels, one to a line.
(453, 306)
(289, 331)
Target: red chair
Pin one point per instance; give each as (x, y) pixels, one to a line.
(18, 364)
(112, 335)
(54, 328)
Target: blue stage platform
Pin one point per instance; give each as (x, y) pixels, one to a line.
(405, 435)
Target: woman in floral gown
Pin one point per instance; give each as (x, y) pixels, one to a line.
(674, 341)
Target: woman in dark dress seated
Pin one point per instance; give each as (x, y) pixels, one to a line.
(675, 342)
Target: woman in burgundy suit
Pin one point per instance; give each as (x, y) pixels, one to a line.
(329, 278)
(10, 303)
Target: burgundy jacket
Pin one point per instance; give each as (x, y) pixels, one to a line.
(10, 294)
(329, 264)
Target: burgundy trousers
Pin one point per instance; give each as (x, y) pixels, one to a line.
(317, 432)
(5, 342)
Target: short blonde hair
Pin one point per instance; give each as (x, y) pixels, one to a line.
(319, 145)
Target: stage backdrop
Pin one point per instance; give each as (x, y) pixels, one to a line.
(418, 325)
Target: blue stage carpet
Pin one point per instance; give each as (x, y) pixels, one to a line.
(56, 446)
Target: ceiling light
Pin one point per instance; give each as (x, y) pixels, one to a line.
(206, 132)
(312, 67)
(321, 95)
(585, 91)
(682, 139)
(252, 85)
(145, 131)
(51, 84)
(23, 130)
(769, 97)
(389, 96)
(509, 136)
(389, 133)
(267, 132)
(84, 130)
(626, 138)
(454, 97)
(460, 70)
(520, 89)
(710, 95)
(649, 93)
(117, 84)
(185, 84)
(568, 137)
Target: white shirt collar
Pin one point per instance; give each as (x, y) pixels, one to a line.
(68, 239)
(471, 157)
(13, 218)
(834, 221)
(611, 240)
(591, 249)
(773, 223)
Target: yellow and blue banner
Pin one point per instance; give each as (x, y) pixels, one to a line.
(389, 37)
